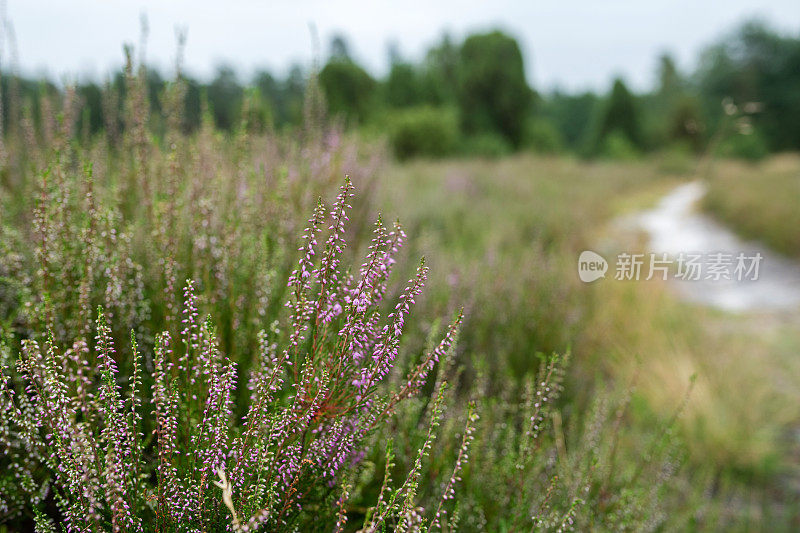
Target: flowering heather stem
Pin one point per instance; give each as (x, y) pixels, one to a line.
(118, 434)
(407, 492)
(463, 456)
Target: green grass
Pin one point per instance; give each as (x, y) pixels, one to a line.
(759, 201)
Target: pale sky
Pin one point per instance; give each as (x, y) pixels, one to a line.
(573, 44)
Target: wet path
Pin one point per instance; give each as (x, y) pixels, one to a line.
(675, 226)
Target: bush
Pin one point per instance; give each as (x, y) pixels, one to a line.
(423, 131)
(486, 144)
(617, 146)
(542, 136)
(316, 396)
(750, 147)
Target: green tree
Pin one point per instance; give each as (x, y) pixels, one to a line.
(256, 112)
(439, 73)
(619, 119)
(192, 104)
(349, 89)
(340, 50)
(294, 89)
(493, 94)
(671, 82)
(402, 87)
(684, 123)
(757, 65)
(570, 114)
(672, 111)
(225, 98)
(91, 119)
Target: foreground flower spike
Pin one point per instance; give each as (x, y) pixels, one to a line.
(463, 456)
(118, 434)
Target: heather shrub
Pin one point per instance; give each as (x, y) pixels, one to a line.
(73, 433)
(162, 448)
(120, 220)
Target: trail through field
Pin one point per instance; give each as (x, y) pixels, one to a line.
(674, 226)
(762, 314)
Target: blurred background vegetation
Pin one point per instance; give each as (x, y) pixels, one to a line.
(472, 97)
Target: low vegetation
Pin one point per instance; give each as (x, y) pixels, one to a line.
(759, 202)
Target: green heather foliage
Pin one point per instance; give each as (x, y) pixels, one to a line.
(173, 358)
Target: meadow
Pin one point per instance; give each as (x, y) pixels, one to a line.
(543, 212)
(216, 331)
(755, 202)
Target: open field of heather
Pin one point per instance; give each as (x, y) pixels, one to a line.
(250, 288)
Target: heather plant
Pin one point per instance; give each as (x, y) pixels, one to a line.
(74, 434)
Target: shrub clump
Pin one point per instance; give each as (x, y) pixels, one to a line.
(424, 131)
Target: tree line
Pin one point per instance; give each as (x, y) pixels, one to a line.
(472, 97)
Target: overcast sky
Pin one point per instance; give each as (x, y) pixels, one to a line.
(572, 44)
